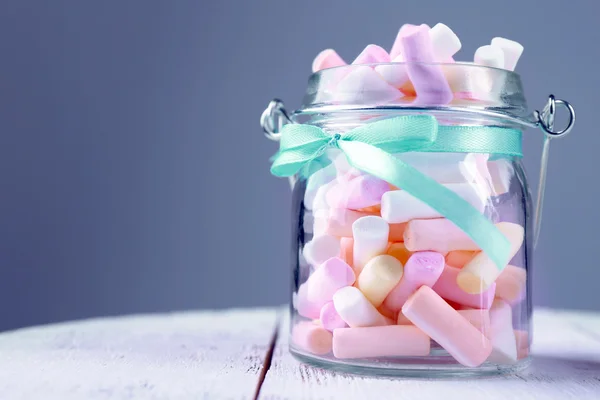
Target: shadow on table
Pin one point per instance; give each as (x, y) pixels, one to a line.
(563, 368)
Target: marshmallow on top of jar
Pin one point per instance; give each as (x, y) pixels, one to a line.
(412, 205)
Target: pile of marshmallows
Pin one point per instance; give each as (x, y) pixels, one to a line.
(389, 274)
(415, 44)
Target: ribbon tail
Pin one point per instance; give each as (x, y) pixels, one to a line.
(383, 165)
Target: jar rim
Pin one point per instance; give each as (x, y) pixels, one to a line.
(462, 87)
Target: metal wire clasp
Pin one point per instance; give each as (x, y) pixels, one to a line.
(545, 120)
(273, 119)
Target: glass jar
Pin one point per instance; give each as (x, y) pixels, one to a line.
(412, 219)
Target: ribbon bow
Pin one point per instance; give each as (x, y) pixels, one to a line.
(368, 149)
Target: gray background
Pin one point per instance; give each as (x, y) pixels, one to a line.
(134, 176)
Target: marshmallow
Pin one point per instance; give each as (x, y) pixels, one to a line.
(402, 320)
(428, 79)
(400, 206)
(444, 42)
(394, 74)
(396, 232)
(305, 307)
(438, 234)
(315, 182)
(319, 199)
(364, 85)
(311, 338)
(379, 277)
(475, 170)
(423, 268)
(397, 46)
(480, 319)
(330, 276)
(512, 51)
(510, 284)
(502, 335)
(320, 249)
(327, 59)
(447, 287)
(372, 54)
(386, 312)
(501, 172)
(430, 313)
(330, 319)
(398, 251)
(370, 239)
(356, 310)
(489, 56)
(458, 258)
(522, 338)
(380, 341)
(479, 273)
(362, 191)
(442, 167)
(346, 245)
(336, 222)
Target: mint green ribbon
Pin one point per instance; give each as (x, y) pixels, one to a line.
(369, 148)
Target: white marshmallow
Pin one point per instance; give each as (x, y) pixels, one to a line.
(321, 249)
(354, 308)
(315, 181)
(370, 239)
(512, 51)
(320, 198)
(400, 206)
(363, 84)
(444, 42)
(501, 172)
(502, 335)
(489, 56)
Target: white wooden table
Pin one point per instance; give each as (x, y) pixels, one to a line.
(236, 355)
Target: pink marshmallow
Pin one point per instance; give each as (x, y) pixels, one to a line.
(428, 79)
(480, 319)
(311, 338)
(438, 234)
(447, 287)
(330, 319)
(423, 268)
(346, 245)
(522, 338)
(305, 307)
(430, 313)
(337, 221)
(372, 54)
(510, 284)
(380, 341)
(397, 46)
(362, 191)
(327, 59)
(330, 276)
(502, 335)
(363, 85)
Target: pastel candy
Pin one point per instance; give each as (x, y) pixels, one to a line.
(510, 284)
(444, 42)
(337, 222)
(512, 51)
(458, 258)
(447, 287)
(442, 167)
(362, 191)
(399, 206)
(428, 79)
(402, 320)
(320, 249)
(315, 182)
(396, 232)
(431, 314)
(305, 307)
(502, 335)
(394, 74)
(356, 310)
(479, 273)
(332, 275)
(501, 172)
(438, 234)
(398, 251)
(346, 245)
(312, 338)
(397, 46)
(319, 201)
(380, 341)
(475, 170)
(522, 338)
(329, 317)
(423, 268)
(364, 85)
(327, 59)
(372, 54)
(489, 56)
(379, 277)
(480, 319)
(370, 239)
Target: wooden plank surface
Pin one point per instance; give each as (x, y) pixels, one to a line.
(566, 365)
(208, 355)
